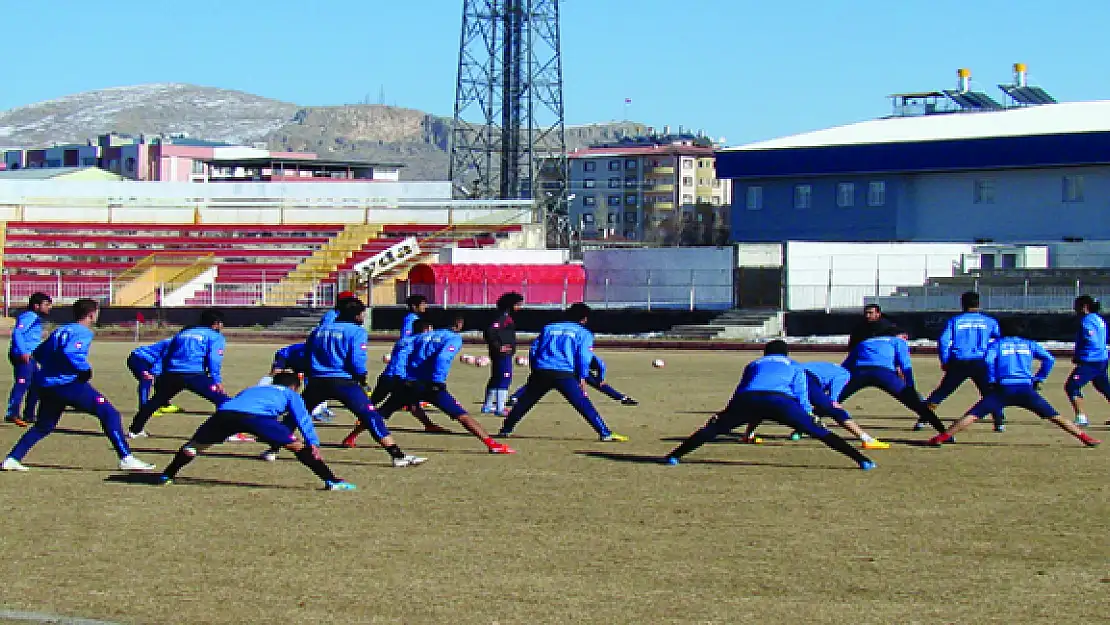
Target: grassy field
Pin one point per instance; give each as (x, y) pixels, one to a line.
(999, 528)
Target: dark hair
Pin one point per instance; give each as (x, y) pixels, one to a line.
(777, 347)
(875, 306)
(349, 309)
(578, 312)
(345, 298)
(83, 308)
(508, 300)
(969, 300)
(1012, 326)
(422, 325)
(413, 301)
(287, 378)
(37, 298)
(210, 317)
(1089, 302)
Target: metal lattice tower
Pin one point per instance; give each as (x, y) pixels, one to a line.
(508, 140)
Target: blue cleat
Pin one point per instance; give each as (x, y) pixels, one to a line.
(867, 465)
(795, 436)
(163, 480)
(671, 461)
(340, 485)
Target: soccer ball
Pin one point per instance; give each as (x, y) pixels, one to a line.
(521, 361)
(385, 358)
(658, 363)
(467, 358)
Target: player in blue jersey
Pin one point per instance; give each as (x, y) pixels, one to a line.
(500, 339)
(391, 380)
(961, 349)
(1090, 357)
(595, 379)
(1013, 383)
(258, 410)
(293, 358)
(773, 387)
(417, 305)
(26, 336)
(883, 362)
(193, 361)
(337, 370)
(425, 380)
(560, 359)
(62, 380)
(333, 313)
(145, 364)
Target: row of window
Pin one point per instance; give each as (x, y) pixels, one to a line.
(632, 163)
(803, 195)
(588, 219)
(631, 200)
(1071, 190)
(631, 182)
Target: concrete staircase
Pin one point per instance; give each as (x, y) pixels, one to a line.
(747, 325)
(303, 322)
(323, 262)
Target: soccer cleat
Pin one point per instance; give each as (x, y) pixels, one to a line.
(139, 434)
(409, 461)
(436, 429)
(241, 438)
(18, 421)
(629, 401)
(170, 409)
(11, 464)
(131, 463)
(511, 401)
(501, 449)
(671, 461)
(795, 436)
(1088, 441)
(939, 440)
(867, 465)
(269, 455)
(613, 437)
(503, 434)
(324, 416)
(1082, 421)
(349, 442)
(163, 480)
(750, 440)
(999, 427)
(486, 410)
(339, 485)
(920, 425)
(875, 444)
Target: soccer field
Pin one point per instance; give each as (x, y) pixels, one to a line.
(1004, 528)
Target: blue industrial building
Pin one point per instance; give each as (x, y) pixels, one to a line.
(1037, 171)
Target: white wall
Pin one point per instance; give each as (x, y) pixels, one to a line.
(467, 256)
(664, 276)
(759, 254)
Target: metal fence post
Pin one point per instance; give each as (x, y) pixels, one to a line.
(564, 291)
(649, 289)
(1025, 294)
(59, 285)
(1078, 292)
(485, 291)
(693, 288)
(524, 289)
(446, 286)
(606, 292)
(7, 292)
(211, 294)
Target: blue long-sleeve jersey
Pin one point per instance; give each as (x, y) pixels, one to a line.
(399, 357)
(27, 333)
(887, 352)
(432, 355)
(337, 351)
(329, 317)
(152, 355)
(407, 324)
(966, 337)
(1010, 361)
(563, 346)
(597, 367)
(274, 402)
(832, 377)
(776, 374)
(196, 350)
(1090, 341)
(293, 357)
(63, 355)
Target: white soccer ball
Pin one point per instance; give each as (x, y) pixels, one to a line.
(522, 361)
(386, 358)
(658, 363)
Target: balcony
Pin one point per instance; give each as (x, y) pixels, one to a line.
(660, 171)
(661, 206)
(660, 188)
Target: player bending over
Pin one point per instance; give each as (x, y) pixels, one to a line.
(145, 364)
(595, 379)
(294, 358)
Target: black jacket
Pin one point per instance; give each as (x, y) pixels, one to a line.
(500, 333)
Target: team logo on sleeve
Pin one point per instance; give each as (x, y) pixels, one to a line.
(450, 348)
(362, 347)
(77, 344)
(220, 352)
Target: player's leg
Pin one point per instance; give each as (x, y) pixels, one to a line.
(955, 374)
(1077, 379)
(610, 392)
(213, 431)
(281, 435)
(537, 386)
(49, 412)
(1101, 382)
(168, 386)
(1035, 402)
(571, 390)
(31, 399)
(351, 396)
(22, 377)
(727, 420)
(980, 377)
(207, 388)
(395, 398)
(894, 386)
(87, 399)
(503, 365)
(517, 394)
(791, 414)
(489, 405)
(439, 397)
(989, 404)
(825, 408)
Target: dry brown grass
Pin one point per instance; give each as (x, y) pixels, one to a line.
(1008, 528)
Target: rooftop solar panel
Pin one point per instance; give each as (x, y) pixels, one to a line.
(1028, 95)
(973, 100)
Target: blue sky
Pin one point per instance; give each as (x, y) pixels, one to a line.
(744, 69)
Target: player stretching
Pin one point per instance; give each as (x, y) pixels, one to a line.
(883, 362)
(333, 313)
(26, 336)
(390, 381)
(145, 364)
(1010, 367)
(1090, 357)
(560, 359)
(772, 387)
(258, 410)
(293, 358)
(425, 373)
(417, 305)
(961, 349)
(192, 362)
(595, 379)
(63, 380)
(501, 342)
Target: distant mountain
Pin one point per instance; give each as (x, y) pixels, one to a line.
(371, 132)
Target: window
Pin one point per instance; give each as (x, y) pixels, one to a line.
(198, 167)
(614, 165)
(129, 164)
(755, 198)
(687, 181)
(876, 193)
(703, 182)
(687, 198)
(88, 162)
(630, 218)
(630, 163)
(803, 196)
(687, 163)
(983, 192)
(630, 200)
(589, 200)
(588, 218)
(614, 218)
(630, 234)
(846, 194)
(614, 183)
(589, 166)
(614, 200)
(630, 182)
(588, 183)
(1073, 189)
(716, 201)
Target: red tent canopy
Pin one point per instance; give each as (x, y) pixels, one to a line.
(483, 284)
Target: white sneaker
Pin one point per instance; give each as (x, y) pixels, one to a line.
(134, 435)
(409, 461)
(11, 464)
(1081, 420)
(131, 463)
(268, 456)
(241, 438)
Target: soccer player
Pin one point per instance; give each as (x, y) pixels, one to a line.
(501, 341)
(259, 410)
(772, 387)
(62, 380)
(333, 313)
(193, 361)
(294, 358)
(560, 358)
(874, 322)
(145, 363)
(825, 381)
(337, 370)
(962, 347)
(418, 305)
(26, 336)
(426, 371)
(595, 379)
(390, 381)
(883, 362)
(1090, 357)
(1010, 369)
